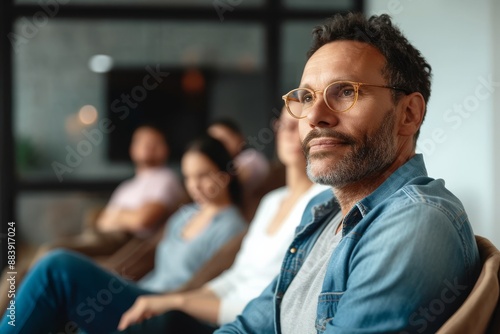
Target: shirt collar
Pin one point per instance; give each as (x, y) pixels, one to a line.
(413, 168)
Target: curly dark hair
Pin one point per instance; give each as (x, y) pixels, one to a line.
(405, 66)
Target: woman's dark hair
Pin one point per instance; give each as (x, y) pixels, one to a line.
(218, 154)
(405, 67)
(228, 123)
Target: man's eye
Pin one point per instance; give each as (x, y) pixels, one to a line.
(346, 92)
(306, 98)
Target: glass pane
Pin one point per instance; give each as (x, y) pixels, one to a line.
(227, 4)
(296, 39)
(320, 4)
(47, 216)
(79, 86)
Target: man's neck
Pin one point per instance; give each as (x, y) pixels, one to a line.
(144, 169)
(349, 195)
(352, 193)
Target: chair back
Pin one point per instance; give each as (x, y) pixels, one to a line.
(480, 312)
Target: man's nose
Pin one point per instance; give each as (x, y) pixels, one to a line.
(319, 115)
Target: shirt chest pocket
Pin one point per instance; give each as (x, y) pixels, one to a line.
(327, 307)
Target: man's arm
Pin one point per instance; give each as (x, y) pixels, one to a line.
(144, 218)
(409, 273)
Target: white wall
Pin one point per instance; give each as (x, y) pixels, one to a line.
(458, 138)
(496, 120)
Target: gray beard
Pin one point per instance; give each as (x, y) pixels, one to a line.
(372, 155)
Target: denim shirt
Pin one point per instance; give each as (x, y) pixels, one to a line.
(407, 260)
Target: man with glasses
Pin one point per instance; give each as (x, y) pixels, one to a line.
(403, 257)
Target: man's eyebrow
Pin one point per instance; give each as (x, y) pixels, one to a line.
(329, 82)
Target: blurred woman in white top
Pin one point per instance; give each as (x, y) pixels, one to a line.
(257, 263)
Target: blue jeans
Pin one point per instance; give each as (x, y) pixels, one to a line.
(172, 322)
(66, 291)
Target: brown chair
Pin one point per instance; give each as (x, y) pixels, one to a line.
(275, 178)
(134, 259)
(480, 313)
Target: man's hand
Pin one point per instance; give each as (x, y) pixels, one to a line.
(146, 307)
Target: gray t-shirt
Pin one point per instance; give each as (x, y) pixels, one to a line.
(300, 302)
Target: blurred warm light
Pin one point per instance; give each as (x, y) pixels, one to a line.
(87, 114)
(100, 63)
(193, 81)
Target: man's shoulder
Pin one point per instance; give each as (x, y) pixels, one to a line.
(410, 185)
(425, 192)
(421, 212)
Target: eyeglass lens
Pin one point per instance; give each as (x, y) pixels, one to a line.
(339, 96)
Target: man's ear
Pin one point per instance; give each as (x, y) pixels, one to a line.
(412, 114)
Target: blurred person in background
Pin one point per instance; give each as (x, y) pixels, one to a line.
(136, 210)
(138, 205)
(67, 287)
(257, 263)
(250, 165)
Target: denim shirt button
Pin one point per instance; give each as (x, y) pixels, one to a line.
(293, 250)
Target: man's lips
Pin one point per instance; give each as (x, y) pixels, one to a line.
(321, 144)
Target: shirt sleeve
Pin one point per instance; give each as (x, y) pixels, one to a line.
(161, 186)
(118, 194)
(164, 188)
(408, 274)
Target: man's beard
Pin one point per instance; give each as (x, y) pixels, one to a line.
(367, 156)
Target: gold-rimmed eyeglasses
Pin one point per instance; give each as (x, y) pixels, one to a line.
(339, 96)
